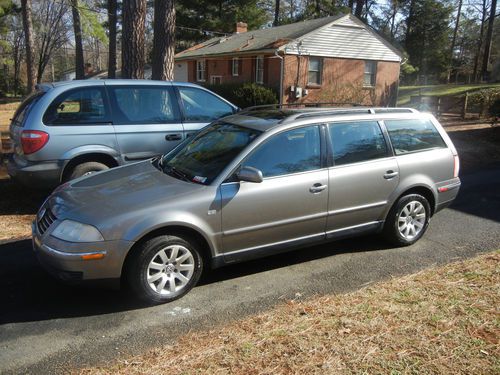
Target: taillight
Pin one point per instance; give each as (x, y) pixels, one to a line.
(456, 167)
(33, 140)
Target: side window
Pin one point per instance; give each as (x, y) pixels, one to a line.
(201, 106)
(292, 151)
(79, 106)
(143, 105)
(413, 135)
(355, 142)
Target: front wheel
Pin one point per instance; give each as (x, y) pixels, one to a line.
(164, 268)
(407, 220)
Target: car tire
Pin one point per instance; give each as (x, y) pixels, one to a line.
(164, 269)
(407, 220)
(86, 169)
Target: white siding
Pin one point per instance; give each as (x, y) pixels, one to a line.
(344, 39)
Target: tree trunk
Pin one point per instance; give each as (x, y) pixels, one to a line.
(393, 16)
(133, 52)
(479, 44)
(164, 40)
(28, 36)
(454, 40)
(276, 21)
(489, 37)
(359, 8)
(112, 18)
(77, 27)
(351, 5)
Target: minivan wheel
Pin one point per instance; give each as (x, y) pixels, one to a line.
(87, 168)
(408, 220)
(164, 269)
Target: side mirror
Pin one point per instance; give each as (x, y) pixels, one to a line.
(249, 174)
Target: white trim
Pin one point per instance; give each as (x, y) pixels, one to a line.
(259, 71)
(201, 70)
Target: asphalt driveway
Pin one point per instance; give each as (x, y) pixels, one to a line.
(49, 327)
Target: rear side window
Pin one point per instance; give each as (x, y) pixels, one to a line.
(355, 142)
(78, 106)
(289, 152)
(134, 105)
(413, 135)
(24, 108)
(202, 106)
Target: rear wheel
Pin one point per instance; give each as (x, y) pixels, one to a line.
(86, 169)
(408, 220)
(164, 269)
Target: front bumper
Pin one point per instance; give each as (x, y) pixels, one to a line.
(41, 175)
(64, 259)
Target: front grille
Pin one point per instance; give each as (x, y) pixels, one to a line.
(45, 221)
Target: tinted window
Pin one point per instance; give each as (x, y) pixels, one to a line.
(143, 105)
(413, 135)
(80, 106)
(201, 106)
(292, 151)
(357, 141)
(23, 110)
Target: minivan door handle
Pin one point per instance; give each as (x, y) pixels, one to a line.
(390, 174)
(317, 188)
(173, 137)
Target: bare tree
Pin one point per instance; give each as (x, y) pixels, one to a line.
(112, 19)
(133, 55)
(276, 13)
(359, 8)
(454, 40)
(489, 37)
(484, 11)
(164, 40)
(28, 37)
(77, 27)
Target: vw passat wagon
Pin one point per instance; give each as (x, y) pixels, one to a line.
(69, 129)
(249, 185)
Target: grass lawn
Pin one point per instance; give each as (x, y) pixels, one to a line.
(437, 90)
(439, 321)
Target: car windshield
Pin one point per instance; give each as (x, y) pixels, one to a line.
(202, 159)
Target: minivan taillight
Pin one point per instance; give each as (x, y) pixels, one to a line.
(456, 167)
(33, 140)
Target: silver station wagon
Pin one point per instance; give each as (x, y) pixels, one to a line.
(249, 185)
(69, 129)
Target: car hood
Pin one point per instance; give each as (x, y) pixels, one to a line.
(117, 191)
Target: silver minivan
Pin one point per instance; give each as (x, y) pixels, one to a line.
(249, 185)
(69, 129)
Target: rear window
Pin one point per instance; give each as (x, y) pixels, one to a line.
(413, 135)
(24, 108)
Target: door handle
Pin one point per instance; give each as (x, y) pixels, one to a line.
(390, 174)
(317, 188)
(173, 137)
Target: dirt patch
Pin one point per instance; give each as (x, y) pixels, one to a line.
(439, 321)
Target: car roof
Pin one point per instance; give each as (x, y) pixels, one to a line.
(110, 82)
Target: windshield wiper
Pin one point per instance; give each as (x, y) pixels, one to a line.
(175, 172)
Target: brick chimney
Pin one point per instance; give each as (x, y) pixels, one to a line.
(241, 27)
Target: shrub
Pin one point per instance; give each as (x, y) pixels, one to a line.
(246, 94)
(483, 101)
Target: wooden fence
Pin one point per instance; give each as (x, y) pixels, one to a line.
(439, 105)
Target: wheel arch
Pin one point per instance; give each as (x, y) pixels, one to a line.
(422, 190)
(100, 157)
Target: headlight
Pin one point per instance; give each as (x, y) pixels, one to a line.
(73, 231)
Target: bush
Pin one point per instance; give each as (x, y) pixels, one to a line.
(483, 101)
(246, 94)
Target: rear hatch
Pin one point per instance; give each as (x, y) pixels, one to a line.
(19, 119)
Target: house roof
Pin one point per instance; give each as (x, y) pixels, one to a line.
(256, 40)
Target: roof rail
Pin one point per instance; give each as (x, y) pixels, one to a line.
(348, 111)
(298, 105)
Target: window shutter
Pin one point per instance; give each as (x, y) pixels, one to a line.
(240, 67)
(265, 66)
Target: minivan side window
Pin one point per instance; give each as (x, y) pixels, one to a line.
(355, 142)
(292, 151)
(413, 135)
(135, 105)
(202, 106)
(79, 106)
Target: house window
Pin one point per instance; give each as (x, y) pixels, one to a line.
(200, 70)
(236, 66)
(314, 72)
(370, 77)
(259, 69)
(215, 80)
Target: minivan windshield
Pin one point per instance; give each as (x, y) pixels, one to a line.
(202, 159)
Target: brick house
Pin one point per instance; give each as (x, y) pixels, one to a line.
(331, 59)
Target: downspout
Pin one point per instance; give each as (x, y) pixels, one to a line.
(281, 75)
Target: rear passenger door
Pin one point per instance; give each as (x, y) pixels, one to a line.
(146, 120)
(363, 176)
(200, 107)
